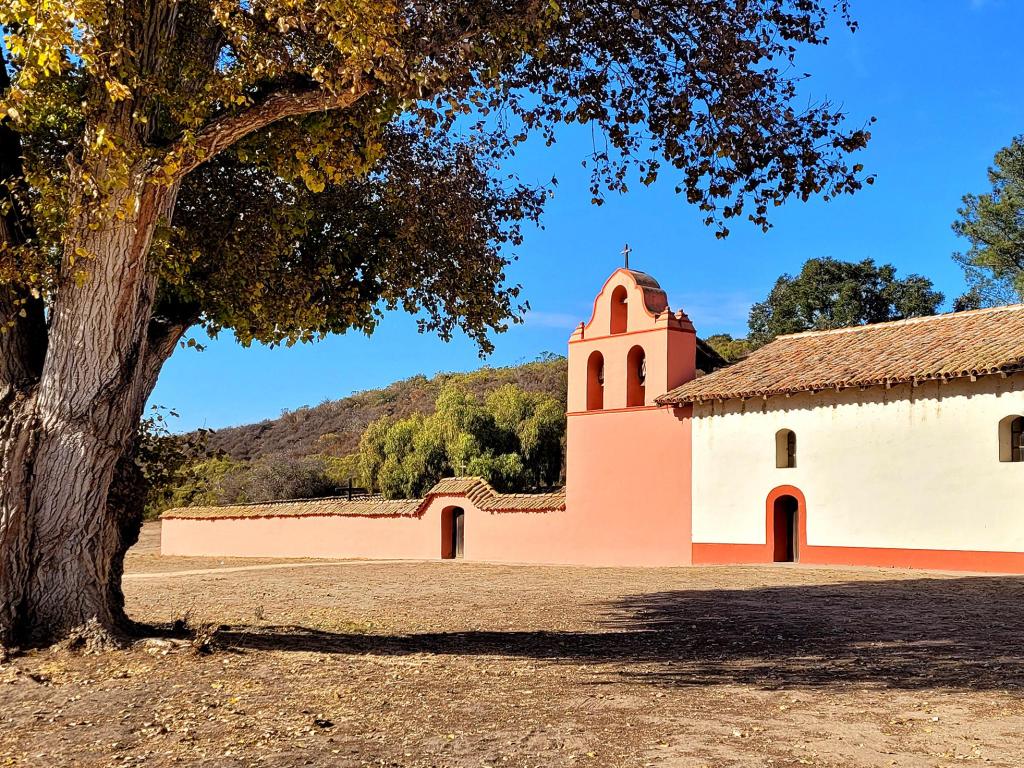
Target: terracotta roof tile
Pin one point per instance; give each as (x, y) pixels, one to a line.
(975, 343)
(654, 296)
(304, 508)
(474, 489)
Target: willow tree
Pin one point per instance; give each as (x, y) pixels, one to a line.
(286, 169)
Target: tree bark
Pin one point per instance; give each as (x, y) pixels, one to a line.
(62, 541)
(125, 502)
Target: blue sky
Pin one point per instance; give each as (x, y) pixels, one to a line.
(943, 77)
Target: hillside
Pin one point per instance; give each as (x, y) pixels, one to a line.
(334, 427)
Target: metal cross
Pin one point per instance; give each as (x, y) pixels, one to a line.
(625, 252)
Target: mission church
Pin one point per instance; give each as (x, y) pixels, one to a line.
(897, 445)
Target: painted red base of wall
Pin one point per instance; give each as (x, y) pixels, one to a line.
(878, 557)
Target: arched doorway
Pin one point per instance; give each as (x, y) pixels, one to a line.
(453, 533)
(786, 529)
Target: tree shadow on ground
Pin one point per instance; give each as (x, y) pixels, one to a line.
(947, 633)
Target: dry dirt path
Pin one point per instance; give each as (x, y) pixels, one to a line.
(461, 664)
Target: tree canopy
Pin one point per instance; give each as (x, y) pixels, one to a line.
(829, 293)
(729, 348)
(320, 175)
(993, 223)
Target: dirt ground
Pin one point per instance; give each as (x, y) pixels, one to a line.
(460, 664)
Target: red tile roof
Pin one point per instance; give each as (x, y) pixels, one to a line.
(474, 489)
(976, 343)
(654, 295)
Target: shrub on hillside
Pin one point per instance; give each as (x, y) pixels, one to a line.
(222, 480)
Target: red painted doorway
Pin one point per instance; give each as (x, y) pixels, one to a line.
(453, 533)
(785, 529)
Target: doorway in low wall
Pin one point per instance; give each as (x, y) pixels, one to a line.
(453, 533)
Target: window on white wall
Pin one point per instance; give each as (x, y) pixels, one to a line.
(785, 449)
(1011, 439)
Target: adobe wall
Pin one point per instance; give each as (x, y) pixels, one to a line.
(595, 535)
(904, 477)
(553, 537)
(297, 536)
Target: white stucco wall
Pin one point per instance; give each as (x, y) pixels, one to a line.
(910, 467)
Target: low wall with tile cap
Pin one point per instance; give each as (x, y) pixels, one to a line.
(498, 528)
(509, 528)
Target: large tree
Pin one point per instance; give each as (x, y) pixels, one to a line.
(285, 169)
(993, 224)
(829, 293)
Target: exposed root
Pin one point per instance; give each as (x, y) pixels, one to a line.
(93, 637)
(181, 635)
(204, 640)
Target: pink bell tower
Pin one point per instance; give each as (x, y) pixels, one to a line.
(627, 458)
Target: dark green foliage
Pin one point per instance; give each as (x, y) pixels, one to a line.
(278, 262)
(993, 223)
(829, 293)
(164, 459)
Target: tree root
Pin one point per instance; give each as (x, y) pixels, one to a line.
(182, 634)
(93, 637)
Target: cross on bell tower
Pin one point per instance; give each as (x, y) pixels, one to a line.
(625, 255)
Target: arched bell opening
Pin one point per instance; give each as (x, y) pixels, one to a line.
(595, 381)
(636, 377)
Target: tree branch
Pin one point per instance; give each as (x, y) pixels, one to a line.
(225, 131)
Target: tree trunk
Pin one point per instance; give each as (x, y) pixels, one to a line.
(61, 542)
(125, 502)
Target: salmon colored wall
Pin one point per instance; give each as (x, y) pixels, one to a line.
(600, 535)
(313, 536)
(526, 537)
(628, 491)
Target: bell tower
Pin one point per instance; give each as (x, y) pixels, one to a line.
(628, 458)
(633, 350)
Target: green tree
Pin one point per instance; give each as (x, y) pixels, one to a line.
(342, 470)
(209, 482)
(993, 224)
(829, 293)
(729, 348)
(287, 170)
(532, 427)
(505, 471)
(371, 452)
(514, 441)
